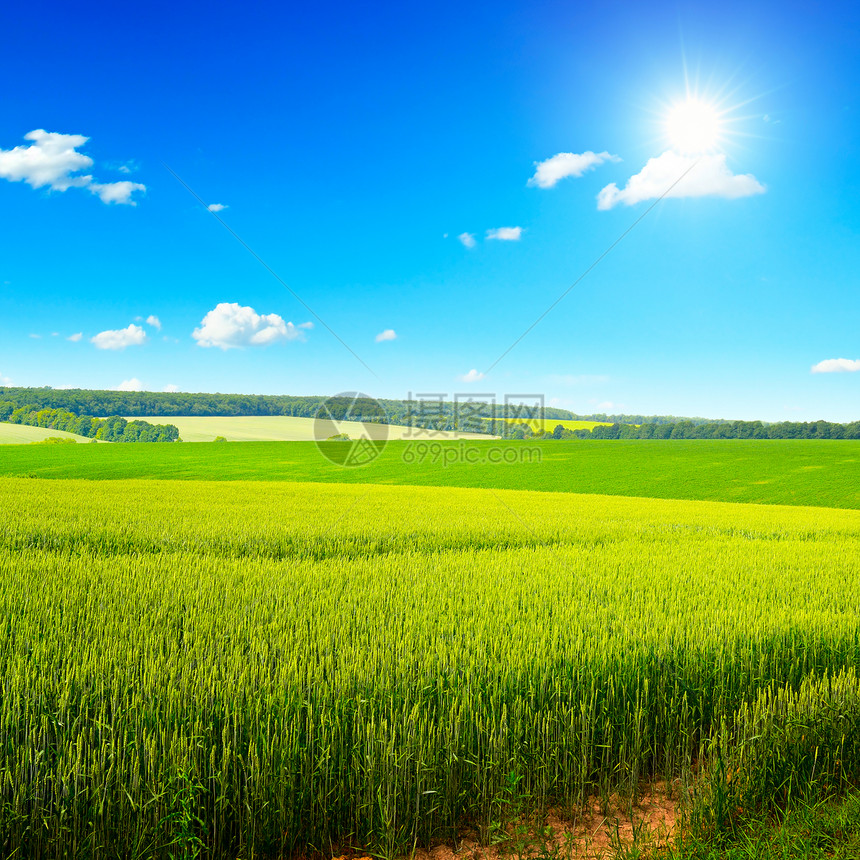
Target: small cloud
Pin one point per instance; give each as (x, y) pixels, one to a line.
(444, 235)
(117, 192)
(35, 336)
(703, 176)
(217, 207)
(471, 376)
(171, 388)
(467, 240)
(307, 325)
(506, 234)
(837, 365)
(5, 381)
(229, 325)
(605, 405)
(55, 334)
(74, 338)
(133, 335)
(553, 170)
(133, 384)
(388, 334)
(154, 321)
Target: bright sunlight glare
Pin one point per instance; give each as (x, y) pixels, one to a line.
(693, 126)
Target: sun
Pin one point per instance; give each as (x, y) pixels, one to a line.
(693, 126)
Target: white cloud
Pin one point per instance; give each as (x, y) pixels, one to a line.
(74, 338)
(133, 384)
(4, 381)
(551, 171)
(53, 160)
(230, 325)
(709, 176)
(467, 239)
(307, 325)
(506, 234)
(471, 376)
(171, 388)
(133, 335)
(388, 334)
(154, 321)
(837, 365)
(117, 192)
(35, 336)
(217, 207)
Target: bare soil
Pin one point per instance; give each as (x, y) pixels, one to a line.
(598, 831)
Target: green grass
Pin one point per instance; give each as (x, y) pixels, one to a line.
(282, 428)
(245, 669)
(21, 434)
(823, 830)
(804, 472)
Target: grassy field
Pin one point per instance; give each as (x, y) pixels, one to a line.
(807, 472)
(21, 434)
(244, 669)
(281, 428)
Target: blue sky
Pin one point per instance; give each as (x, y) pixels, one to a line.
(353, 145)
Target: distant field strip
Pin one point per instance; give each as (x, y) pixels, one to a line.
(549, 424)
(799, 472)
(270, 666)
(283, 428)
(22, 434)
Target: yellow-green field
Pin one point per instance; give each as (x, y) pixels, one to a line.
(254, 669)
(21, 434)
(549, 424)
(282, 428)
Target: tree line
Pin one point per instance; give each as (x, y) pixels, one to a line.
(111, 429)
(715, 430)
(422, 411)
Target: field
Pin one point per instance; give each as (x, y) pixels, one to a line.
(549, 424)
(802, 472)
(248, 668)
(280, 428)
(21, 434)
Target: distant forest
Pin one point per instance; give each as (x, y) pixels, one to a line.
(714, 430)
(112, 429)
(424, 412)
